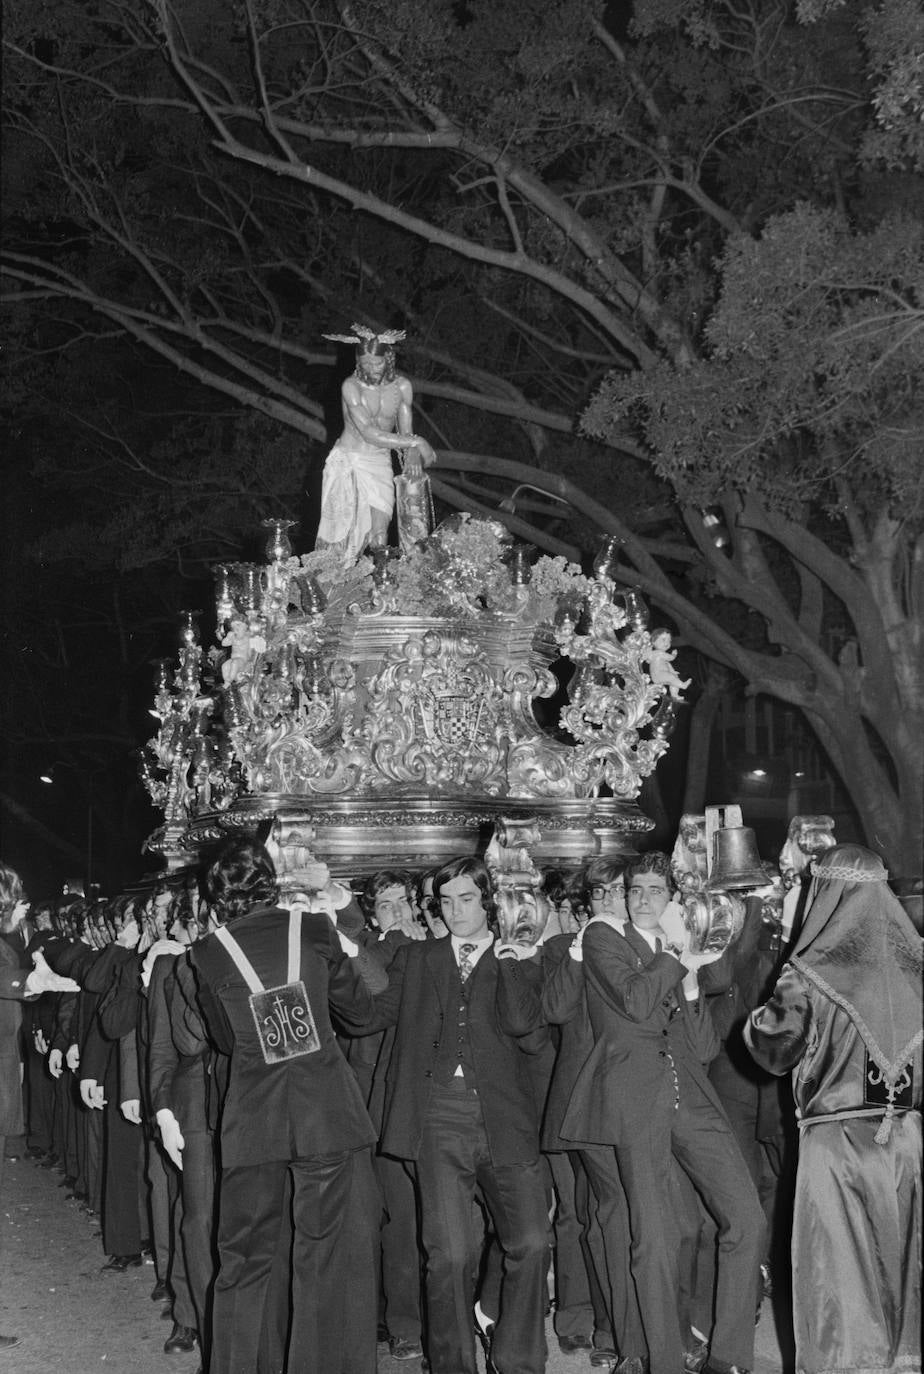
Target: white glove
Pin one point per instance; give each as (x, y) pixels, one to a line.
(171, 1135)
(349, 947)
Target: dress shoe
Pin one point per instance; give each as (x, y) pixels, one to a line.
(117, 1264)
(484, 1330)
(632, 1364)
(603, 1358)
(7, 1342)
(570, 1345)
(159, 1291)
(694, 1357)
(181, 1338)
(401, 1349)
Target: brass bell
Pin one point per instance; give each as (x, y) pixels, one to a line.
(735, 860)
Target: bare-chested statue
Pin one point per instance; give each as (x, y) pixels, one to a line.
(358, 494)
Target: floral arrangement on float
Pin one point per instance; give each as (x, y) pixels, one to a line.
(423, 691)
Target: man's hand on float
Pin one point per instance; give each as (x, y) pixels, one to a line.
(674, 929)
(158, 948)
(171, 1135)
(349, 947)
(408, 925)
(511, 950)
(44, 979)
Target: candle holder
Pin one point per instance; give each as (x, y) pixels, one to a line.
(519, 562)
(249, 587)
(189, 628)
(314, 601)
(635, 607)
(278, 545)
(608, 558)
(224, 601)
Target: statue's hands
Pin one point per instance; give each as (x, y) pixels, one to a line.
(417, 457)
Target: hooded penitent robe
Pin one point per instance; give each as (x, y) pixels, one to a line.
(845, 1020)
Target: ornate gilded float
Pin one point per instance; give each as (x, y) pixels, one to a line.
(392, 713)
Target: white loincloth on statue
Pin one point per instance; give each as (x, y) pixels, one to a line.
(354, 484)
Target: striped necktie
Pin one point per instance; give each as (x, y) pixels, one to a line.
(465, 960)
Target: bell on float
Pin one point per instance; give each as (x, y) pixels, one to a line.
(735, 860)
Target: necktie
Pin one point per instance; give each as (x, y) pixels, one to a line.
(465, 960)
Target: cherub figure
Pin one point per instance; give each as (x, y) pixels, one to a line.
(660, 661)
(238, 639)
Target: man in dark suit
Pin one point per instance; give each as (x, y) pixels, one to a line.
(645, 1090)
(293, 1126)
(459, 1102)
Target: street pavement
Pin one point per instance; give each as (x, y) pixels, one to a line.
(73, 1319)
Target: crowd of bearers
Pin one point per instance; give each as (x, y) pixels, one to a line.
(334, 1120)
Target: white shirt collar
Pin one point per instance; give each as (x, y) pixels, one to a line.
(651, 937)
(480, 946)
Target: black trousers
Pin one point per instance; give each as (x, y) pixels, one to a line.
(453, 1165)
(612, 1218)
(700, 1139)
(400, 1251)
(197, 1228)
(123, 1148)
(332, 1299)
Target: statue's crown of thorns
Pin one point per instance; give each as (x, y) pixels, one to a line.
(362, 334)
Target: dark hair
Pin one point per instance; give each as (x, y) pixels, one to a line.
(653, 862)
(599, 873)
(240, 878)
(467, 868)
(378, 883)
(181, 906)
(116, 914)
(559, 885)
(11, 890)
(374, 348)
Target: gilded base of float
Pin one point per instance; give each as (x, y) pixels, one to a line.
(359, 837)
